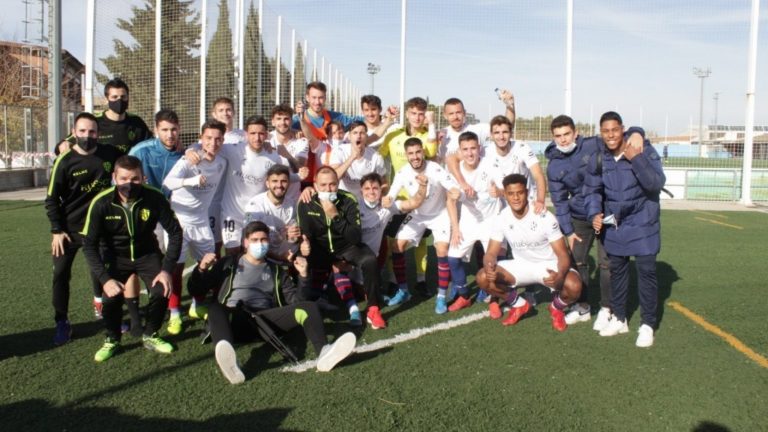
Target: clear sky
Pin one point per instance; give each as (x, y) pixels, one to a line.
(630, 56)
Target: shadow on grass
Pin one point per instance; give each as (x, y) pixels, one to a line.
(708, 426)
(37, 414)
(35, 341)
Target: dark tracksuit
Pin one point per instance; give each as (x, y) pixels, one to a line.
(122, 134)
(338, 238)
(565, 179)
(629, 190)
(75, 180)
(281, 307)
(131, 247)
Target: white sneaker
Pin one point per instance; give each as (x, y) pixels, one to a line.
(331, 355)
(644, 336)
(603, 315)
(226, 358)
(615, 327)
(577, 314)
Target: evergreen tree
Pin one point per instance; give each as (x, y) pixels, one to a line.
(219, 64)
(259, 80)
(180, 67)
(300, 72)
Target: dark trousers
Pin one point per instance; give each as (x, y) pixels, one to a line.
(647, 286)
(62, 274)
(360, 256)
(147, 268)
(228, 323)
(580, 252)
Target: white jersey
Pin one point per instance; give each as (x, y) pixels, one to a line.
(370, 162)
(325, 151)
(246, 176)
(373, 221)
(298, 148)
(519, 160)
(450, 142)
(482, 206)
(235, 136)
(276, 217)
(191, 203)
(529, 237)
(440, 180)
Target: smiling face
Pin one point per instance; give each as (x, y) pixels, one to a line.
(316, 100)
(415, 155)
(282, 123)
(211, 140)
(326, 181)
(371, 191)
(415, 117)
(612, 133)
(470, 152)
(257, 134)
(371, 113)
(501, 134)
(277, 185)
(224, 112)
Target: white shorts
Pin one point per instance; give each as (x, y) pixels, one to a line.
(214, 217)
(197, 240)
(414, 225)
(527, 272)
(470, 235)
(231, 231)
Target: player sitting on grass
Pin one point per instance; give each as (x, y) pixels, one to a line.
(540, 256)
(250, 285)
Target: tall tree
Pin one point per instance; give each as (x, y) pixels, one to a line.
(219, 64)
(259, 80)
(300, 73)
(179, 65)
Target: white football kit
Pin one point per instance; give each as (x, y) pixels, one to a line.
(277, 217)
(370, 162)
(519, 160)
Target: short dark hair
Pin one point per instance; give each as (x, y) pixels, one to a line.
(88, 116)
(129, 163)
(412, 141)
(501, 120)
(357, 123)
(416, 102)
(255, 120)
(560, 121)
(371, 177)
(278, 169)
(371, 100)
(324, 169)
(453, 101)
(330, 125)
(213, 124)
(317, 85)
(221, 100)
(168, 115)
(610, 115)
(281, 109)
(115, 82)
(514, 179)
(255, 226)
(468, 136)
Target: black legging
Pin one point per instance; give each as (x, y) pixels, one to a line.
(62, 274)
(304, 314)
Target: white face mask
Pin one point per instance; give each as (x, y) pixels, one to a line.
(568, 149)
(327, 196)
(258, 250)
(371, 205)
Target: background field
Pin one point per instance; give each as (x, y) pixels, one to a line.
(480, 376)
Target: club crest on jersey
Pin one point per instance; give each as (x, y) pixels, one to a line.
(107, 166)
(144, 214)
(131, 135)
(265, 276)
(533, 226)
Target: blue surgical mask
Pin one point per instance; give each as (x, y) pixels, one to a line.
(258, 250)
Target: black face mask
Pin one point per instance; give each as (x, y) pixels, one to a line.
(129, 190)
(86, 143)
(119, 106)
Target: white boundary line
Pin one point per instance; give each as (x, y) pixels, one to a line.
(403, 337)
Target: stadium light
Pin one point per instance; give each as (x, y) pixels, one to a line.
(373, 69)
(702, 74)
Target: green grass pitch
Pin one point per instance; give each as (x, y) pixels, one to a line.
(481, 376)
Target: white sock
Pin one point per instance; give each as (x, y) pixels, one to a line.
(175, 313)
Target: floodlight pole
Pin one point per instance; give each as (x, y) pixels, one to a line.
(373, 69)
(702, 74)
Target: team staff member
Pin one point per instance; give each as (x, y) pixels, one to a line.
(124, 217)
(331, 220)
(118, 127)
(76, 178)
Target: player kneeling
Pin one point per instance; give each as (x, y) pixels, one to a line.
(541, 256)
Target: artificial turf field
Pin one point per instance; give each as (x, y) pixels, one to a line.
(480, 376)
